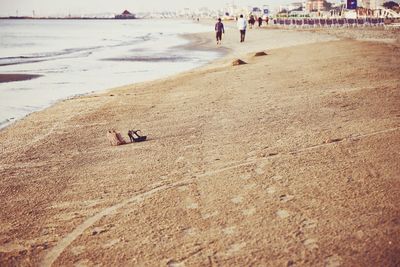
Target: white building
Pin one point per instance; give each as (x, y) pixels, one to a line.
(370, 4)
(298, 6)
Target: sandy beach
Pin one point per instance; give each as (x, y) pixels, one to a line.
(292, 159)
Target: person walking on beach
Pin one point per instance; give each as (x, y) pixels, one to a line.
(252, 21)
(259, 22)
(242, 25)
(219, 30)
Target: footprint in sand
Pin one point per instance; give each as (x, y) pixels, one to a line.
(360, 234)
(271, 190)
(277, 178)
(183, 188)
(189, 147)
(229, 230)
(99, 230)
(189, 231)
(249, 212)
(251, 153)
(83, 263)
(191, 203)
(308, 224)
(78, 250)
(250, 186)
(245, 176)
(235, 248)
(333, 261)
(259, 170)
(285, 198)
(174, 263)
(180, 159)
(192, 206)
(111, 243)
(210, 214)
(310, 243)
(10, 247)
(237, 199)
(66, 216)
(282, 214)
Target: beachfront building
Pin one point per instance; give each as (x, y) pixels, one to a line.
(196, 14)
(295, 9)
(375, 4)
(370, 4)
(125, 15)
(315, 5)
(266, 11)
(375, 8)
(256, 11)
(231, 11)
(296, 6)
(364, 3)
(185, 13)
(259, 11)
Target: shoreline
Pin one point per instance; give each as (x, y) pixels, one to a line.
(7, 78)
(289, 159)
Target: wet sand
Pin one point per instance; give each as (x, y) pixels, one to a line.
(290, 159)
(4, 78)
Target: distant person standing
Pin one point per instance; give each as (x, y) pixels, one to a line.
(242, 25)
(219, 30)
(266, 20)
(259, 22)
(252, 21)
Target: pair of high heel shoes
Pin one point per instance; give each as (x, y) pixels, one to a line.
(135, 137)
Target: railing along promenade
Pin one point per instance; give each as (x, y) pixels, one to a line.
(328, 22)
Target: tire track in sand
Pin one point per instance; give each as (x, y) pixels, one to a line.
(56, 251)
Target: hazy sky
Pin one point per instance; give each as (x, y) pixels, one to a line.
(54, 7)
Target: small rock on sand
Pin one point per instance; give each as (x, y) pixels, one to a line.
(260, 54)
(238, 62)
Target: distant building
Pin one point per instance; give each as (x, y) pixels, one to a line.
(315, 5)
(370, 4)
(125, 15)
(298, 6)
(256, 11)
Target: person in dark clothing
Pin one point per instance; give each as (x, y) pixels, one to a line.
(252, 21)
(259, 21)
(219, 30)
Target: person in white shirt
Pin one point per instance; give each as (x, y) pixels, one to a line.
(242, 25)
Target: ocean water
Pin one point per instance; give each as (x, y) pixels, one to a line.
(81, 56)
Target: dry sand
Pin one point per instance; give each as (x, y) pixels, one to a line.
(291, 159)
